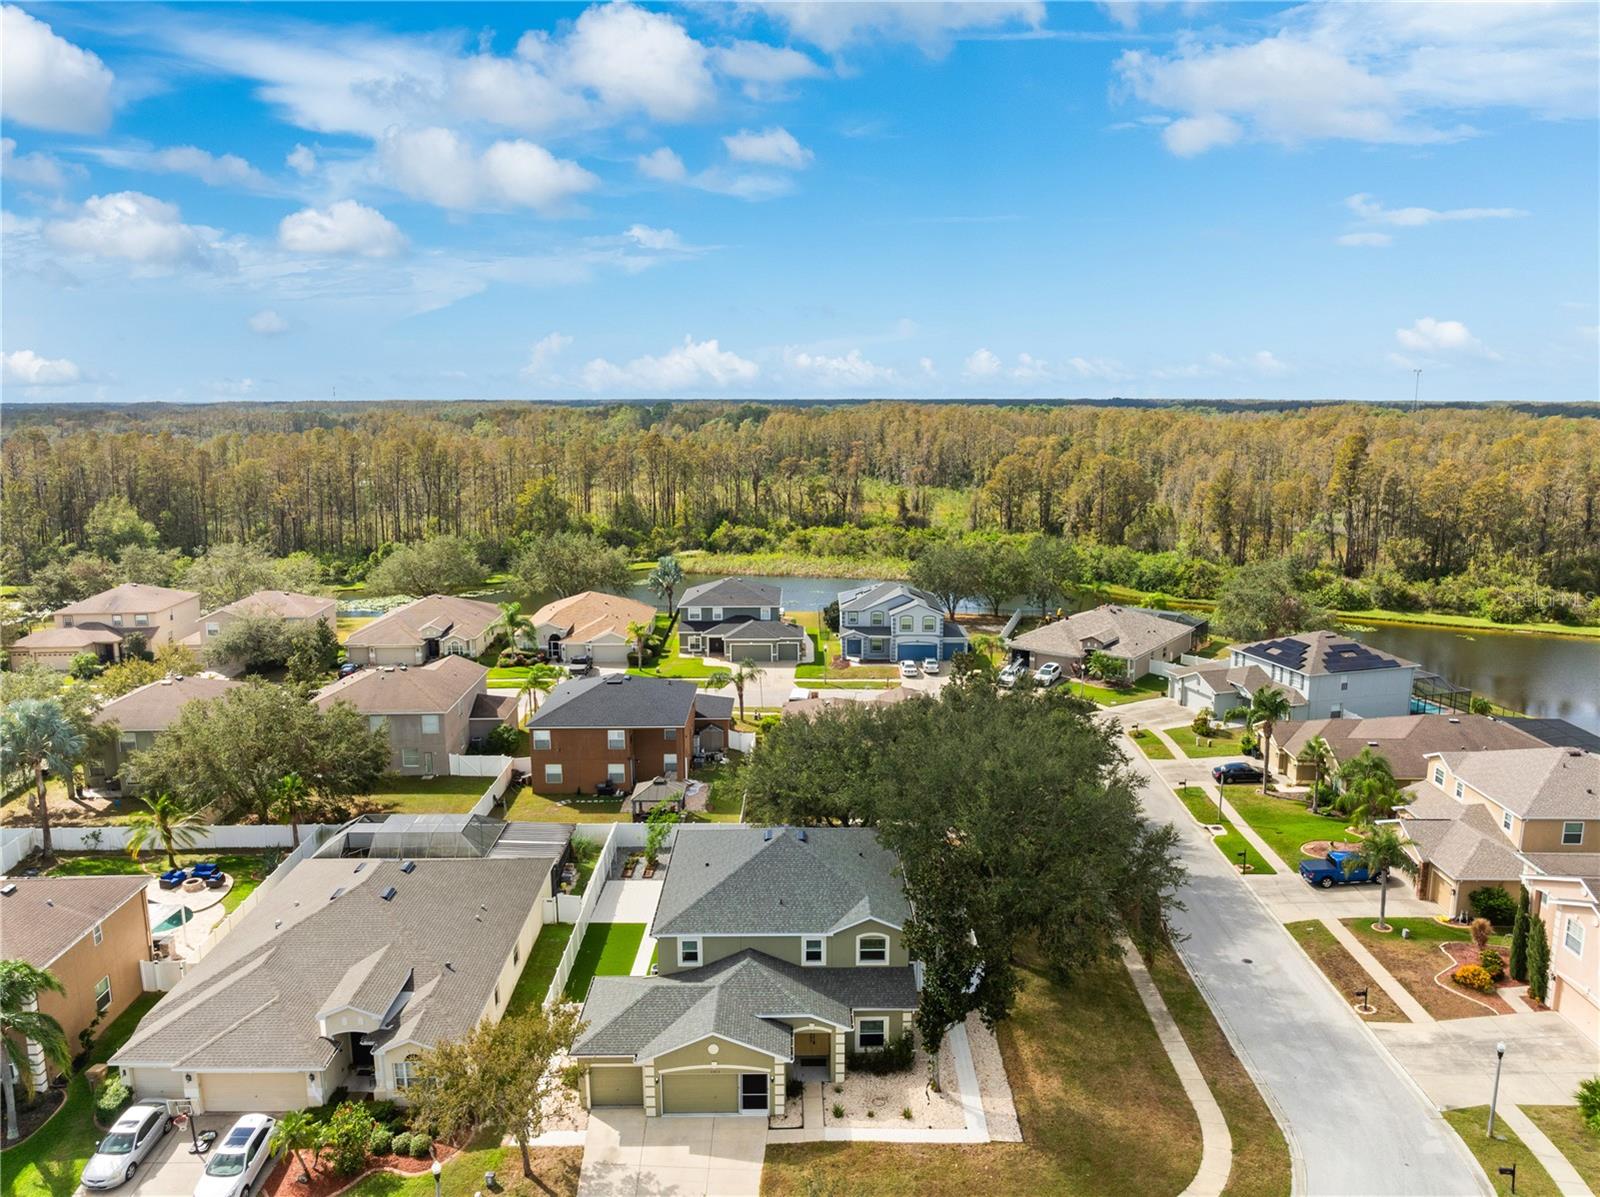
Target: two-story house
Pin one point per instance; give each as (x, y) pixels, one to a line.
(1481, 818)
(1325, 675)
(621, 730)
(441, 625)
(740, 620)
(890, 621)
(1405, 741)
(141, 715)
(1565, 894)
(781, 951)
(91, 932)
(429, 711)
(99, 624)
(282, 604)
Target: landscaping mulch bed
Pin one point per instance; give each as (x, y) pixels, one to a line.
(34, 1114)
(284, 1180)
(1466, 952)
(1415, 964)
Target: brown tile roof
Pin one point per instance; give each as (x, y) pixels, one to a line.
(129, 597)
(593, 613)
(155, 706)
(441, 613)
(47, 915)
(399, 690)
(1404, 740)
(47, 638)
(284, 603)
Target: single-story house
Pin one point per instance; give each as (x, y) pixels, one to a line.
(1326, 675)
(1405, 741)
(142, 714)
(590, 624)
(91, 933)
(780, 951)
(440, 625)
(1134, 636)
(429, 711)
(337, 978)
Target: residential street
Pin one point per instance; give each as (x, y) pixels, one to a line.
(1355, 1122)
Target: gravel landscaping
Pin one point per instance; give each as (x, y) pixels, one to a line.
(886, 1097)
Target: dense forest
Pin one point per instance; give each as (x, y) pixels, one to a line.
(1384, 497)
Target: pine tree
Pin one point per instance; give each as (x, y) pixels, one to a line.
(1519, 939)
(1538, 962)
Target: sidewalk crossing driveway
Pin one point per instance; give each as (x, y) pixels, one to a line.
(626, 1154)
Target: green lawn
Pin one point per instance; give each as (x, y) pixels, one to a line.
(1564, 1127)
(248, 869)
(607, 950)
(50, 1161)
(1502, 1151)
(555, 1168)
(1231, 843)
(540, 969)
(529, 807)
(725, 803)
(1283, 822)
(1150, 744)
(1146, 687)
(1423, 930)
(434, 796)
(1223, 741)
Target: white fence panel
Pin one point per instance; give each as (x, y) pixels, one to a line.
(476, 766)
(741, 741)
(591, 897)
(15, 844)
(113, 837)
(158, 976)
(569, 907)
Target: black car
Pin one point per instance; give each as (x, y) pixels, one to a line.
(1234, 773)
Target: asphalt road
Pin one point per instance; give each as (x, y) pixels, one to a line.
(1356, 1123)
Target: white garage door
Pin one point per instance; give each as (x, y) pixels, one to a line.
(243, 1092)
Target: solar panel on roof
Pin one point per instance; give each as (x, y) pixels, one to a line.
(1353, 658)
(1291, 652)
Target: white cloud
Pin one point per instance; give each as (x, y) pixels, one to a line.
(1373, 212)
(37, 169)
(302, 160)
(765, 70)
(344, 228)
(1263, 363)
(1266, 364)
(1428, 335)
(850, 369)
(770, 147)
(981, 364)
(929, 26)
(47, 82)
(927, 367)
(1101, 368)
(218, 170)
(1030, 368)
(691, 365)
(1384, 73)
(1365, 240)
(544, 350)
(27, 368)
(138, 228)
(646, 237)
(268, 323)
(439, 166)
(637, 59)
(662, 165)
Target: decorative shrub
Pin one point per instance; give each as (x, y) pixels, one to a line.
(111, 1097)
(1473, 976)
(838, 1110)
(794, 1088)
(894, 1056)
(1492, 963)
(381, 1141)
(1493, 903)
(421, 1146)
(1481, 930)
(346, 1136)
(906, 1113)
(385, 1112)
(1202, 724)
(1588, 1098)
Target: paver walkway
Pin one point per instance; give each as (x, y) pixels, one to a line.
(1398, 993)
(1216, 1143)
(1547, 1153)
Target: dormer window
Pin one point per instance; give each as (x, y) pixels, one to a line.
(872, 949)
(1438, 776)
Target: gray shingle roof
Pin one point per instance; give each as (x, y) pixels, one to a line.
(1122, 631)
(286, 604)
(739, 630)
(737, 881)
(130, 597)
(896, 594)
(406, 689)
(713, 706)
(731, 592)
(617, 700)
(47, 915)
(1534, 783)
(1468, 847)
(253, 1000)
(746, 997)
(155, 707)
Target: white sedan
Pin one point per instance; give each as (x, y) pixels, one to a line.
(931, 667)
(1047, 674)
(1010, 674)
(909, 669)
(132, 1137)
(240, 1160)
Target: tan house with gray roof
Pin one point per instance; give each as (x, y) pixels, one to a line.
(1405, 741)
(142, 714)
(591, 624)
(1131, 635)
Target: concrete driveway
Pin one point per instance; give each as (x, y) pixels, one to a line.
(626, 1154)
(170, 1171)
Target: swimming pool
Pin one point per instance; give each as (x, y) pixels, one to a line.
(172, 918)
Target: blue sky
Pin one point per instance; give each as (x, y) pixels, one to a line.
(1005, 199)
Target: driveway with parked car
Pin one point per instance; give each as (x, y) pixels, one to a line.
(169, 1169)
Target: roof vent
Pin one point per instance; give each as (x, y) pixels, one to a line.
(361, 866)
(801, 835)
(276, 923)
(336, 893)
(449, 967)
(388, 894)
(7, 890)
(614, 679)
(766, 835)
(408, 866)
(1374, 743)
(50, 902)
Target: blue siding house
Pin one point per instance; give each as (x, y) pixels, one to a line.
(890, 621)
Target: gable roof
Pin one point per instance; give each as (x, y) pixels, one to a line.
(1243, 680)
(1534, 783)
(128, 598)
(1468, 847)
(741, 630)
(1122, 632)
(748, 997)
(778, 881)
(155, 706)
(286, 604)
(47, 915)
(731, 592)
(406, 689)
(253, 1000)
(78, 637)
(593, 613)
(617, 700)
(1316, 653)
(1405, 740)
(893, 594)
(438, 615)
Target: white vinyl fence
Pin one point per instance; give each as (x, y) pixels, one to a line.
(497, 769)
(742, 741)
(591, 896)
(17, 842)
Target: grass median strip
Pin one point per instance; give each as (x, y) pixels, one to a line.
(1342, 969)
(1504, 1150)
(1150, 744)
(1563, 1126)
(607, 950)
(1414, 961)
(1230, 843)
(1223, 741)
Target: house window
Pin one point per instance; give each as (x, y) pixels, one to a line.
(670, 735)
(430, 725)
(851, 618)
(669, 766)
(1344, 685)
(410, 758)
(404, 1073)
(1505, 820)
(872, 949)
(213, 628)
(877, 619)
(375, 723)
(1438, 776)
(128, 742)
(102, 995)
(813, 950)
(141, 621)
(876, 644)
(872, 1032)
(930, 623)
(116, 621)
(688, 952)
(552, 775)
(99, 934)
(616, 774)
(1571, 834)
(541, 739)
(1574, 936)
(905, 623)
(616, 739)
(1458, 790)
(716, 614)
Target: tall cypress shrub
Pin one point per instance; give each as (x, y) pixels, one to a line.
(1538, 963)
(1519, 939)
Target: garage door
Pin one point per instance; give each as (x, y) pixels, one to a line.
(241, 1092)
(916, 652)
(788, 650)
(700, 1093)
(616, 1086)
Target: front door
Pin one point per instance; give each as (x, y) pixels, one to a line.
(427, 763)
(753, 1091)
(812, 1047)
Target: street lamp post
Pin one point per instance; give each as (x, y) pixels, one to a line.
(438, 1170)
(1494, 1097)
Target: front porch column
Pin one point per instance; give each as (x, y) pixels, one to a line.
(838, 1057)
(777, 1088)
(650, 1110)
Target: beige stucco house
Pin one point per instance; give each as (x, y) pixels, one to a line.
(99, 623)
(1133, 636)
(286, 605)
(440, 625)
(140, 715)
(591, 624)
(1405, 741)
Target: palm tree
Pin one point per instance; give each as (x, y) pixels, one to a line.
(1366, 765)
(289, 798)
(743, 673)
(540, 679)
(166, 821)
(1269, 707)
(639, 632)
(1369, 799)
(1383, 849)
(296, 1132)
(1317, 753)
(512, 623)
(21, 1023)
(35, 734)
(665, 579)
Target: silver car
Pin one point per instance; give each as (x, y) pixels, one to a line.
(132, 1137)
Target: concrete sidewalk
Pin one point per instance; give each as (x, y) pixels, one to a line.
(1398, 993)
(1535, 1140)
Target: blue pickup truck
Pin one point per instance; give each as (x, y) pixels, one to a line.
(1325, 874)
